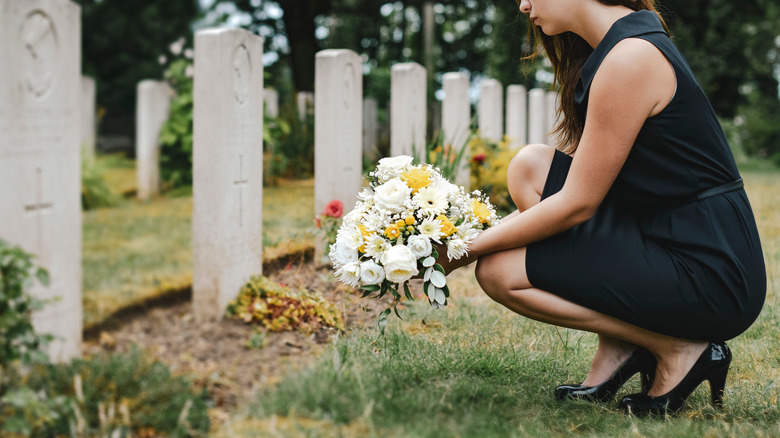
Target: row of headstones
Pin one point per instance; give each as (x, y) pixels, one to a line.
(40, 153)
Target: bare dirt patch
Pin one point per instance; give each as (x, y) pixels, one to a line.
(229, 358)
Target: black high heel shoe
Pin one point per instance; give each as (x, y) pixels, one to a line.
(712, 365)
(640, 361)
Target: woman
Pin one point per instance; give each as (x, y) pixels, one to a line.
(638, 229)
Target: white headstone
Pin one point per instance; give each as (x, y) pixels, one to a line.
(152, 109)
(552, 118)
(338, 122)
(516, 120)
(227, 219)
(40, 155)
(271, 100)
(305, 103)
(88, 118)
(408, 112)
(491, 110)
(537, 116)
(370, 129)
(456, 120)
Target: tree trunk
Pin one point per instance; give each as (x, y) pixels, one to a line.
(299, 24)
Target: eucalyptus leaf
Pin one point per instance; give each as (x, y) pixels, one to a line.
(438, 279)
(428, 262)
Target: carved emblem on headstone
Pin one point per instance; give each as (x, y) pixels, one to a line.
(242, 71)
(39, 52)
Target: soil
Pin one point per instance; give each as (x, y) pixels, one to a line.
(220, 356)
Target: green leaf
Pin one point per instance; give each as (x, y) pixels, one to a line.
(43, 276)
(407, 292)
(383, 291)
(371, 287)
(439, 268)
(382, 322)
(395, 309)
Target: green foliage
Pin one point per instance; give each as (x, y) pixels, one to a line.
(22, 411)
(489, 164)
(95, 193)
(124, 41)
(445, 157)
(278, 308)
(288, 143)
(18, 340)
(131, 392)
(759, 133)
(176, 133)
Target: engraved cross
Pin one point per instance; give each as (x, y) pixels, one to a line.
(39, 206)
(241, 182)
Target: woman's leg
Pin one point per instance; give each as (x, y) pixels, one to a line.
(526, 178)
(502, 276)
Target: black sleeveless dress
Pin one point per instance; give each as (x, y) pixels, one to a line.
(674, 247)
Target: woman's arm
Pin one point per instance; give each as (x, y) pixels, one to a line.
(634, 82)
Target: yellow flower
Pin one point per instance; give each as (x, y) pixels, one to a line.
(365, 234)
(392, 232)
(410, 220)
(416, 179)
(446, 226)
(480, 210)
(400, 223)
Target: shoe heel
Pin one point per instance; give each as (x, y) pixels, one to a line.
(717, 385)
(647, 381)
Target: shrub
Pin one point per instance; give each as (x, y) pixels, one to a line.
(127, 392)
(95, 193)
(278, 308)
(489, 163)
(176, 133)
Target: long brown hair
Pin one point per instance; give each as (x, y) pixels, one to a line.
(568, 52)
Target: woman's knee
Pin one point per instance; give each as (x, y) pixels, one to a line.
(527, 173)
(490, 279)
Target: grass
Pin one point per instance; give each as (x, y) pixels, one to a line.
(141, 250)
(476, 369)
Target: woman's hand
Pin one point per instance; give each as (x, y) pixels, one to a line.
(451, 265)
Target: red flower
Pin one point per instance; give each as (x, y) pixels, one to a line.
(334, 208)
(318, 222)
(478, 158)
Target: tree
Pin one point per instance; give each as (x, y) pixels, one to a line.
(123, 42)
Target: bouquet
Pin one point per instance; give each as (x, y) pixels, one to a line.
(399, 221)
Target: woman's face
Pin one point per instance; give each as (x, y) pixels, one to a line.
(549, 15)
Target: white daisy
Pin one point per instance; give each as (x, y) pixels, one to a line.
(376, 246)
(456, 248)
(431, 201)
(349, 274)
(432, 228)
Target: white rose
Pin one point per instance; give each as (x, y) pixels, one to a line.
(400, 264)
(419, 245)
(392, 195)
(395, 164)
(349, 274)
(341, 253)
(371, 273)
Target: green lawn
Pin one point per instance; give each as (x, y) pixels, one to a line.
(476, 369)
(141, 250)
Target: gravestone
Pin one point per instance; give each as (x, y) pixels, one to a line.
(305, 104)
(456, 120)
(550, 105)
(516, 116)
(153, 103)
(338, 122)
(40, 155)
(491, 110)
(537, 116)
(408, 112)
(370, 130)
(271, 101)
(227, 217)
(88, 119)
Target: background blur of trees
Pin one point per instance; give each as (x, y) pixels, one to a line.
(733, 47)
